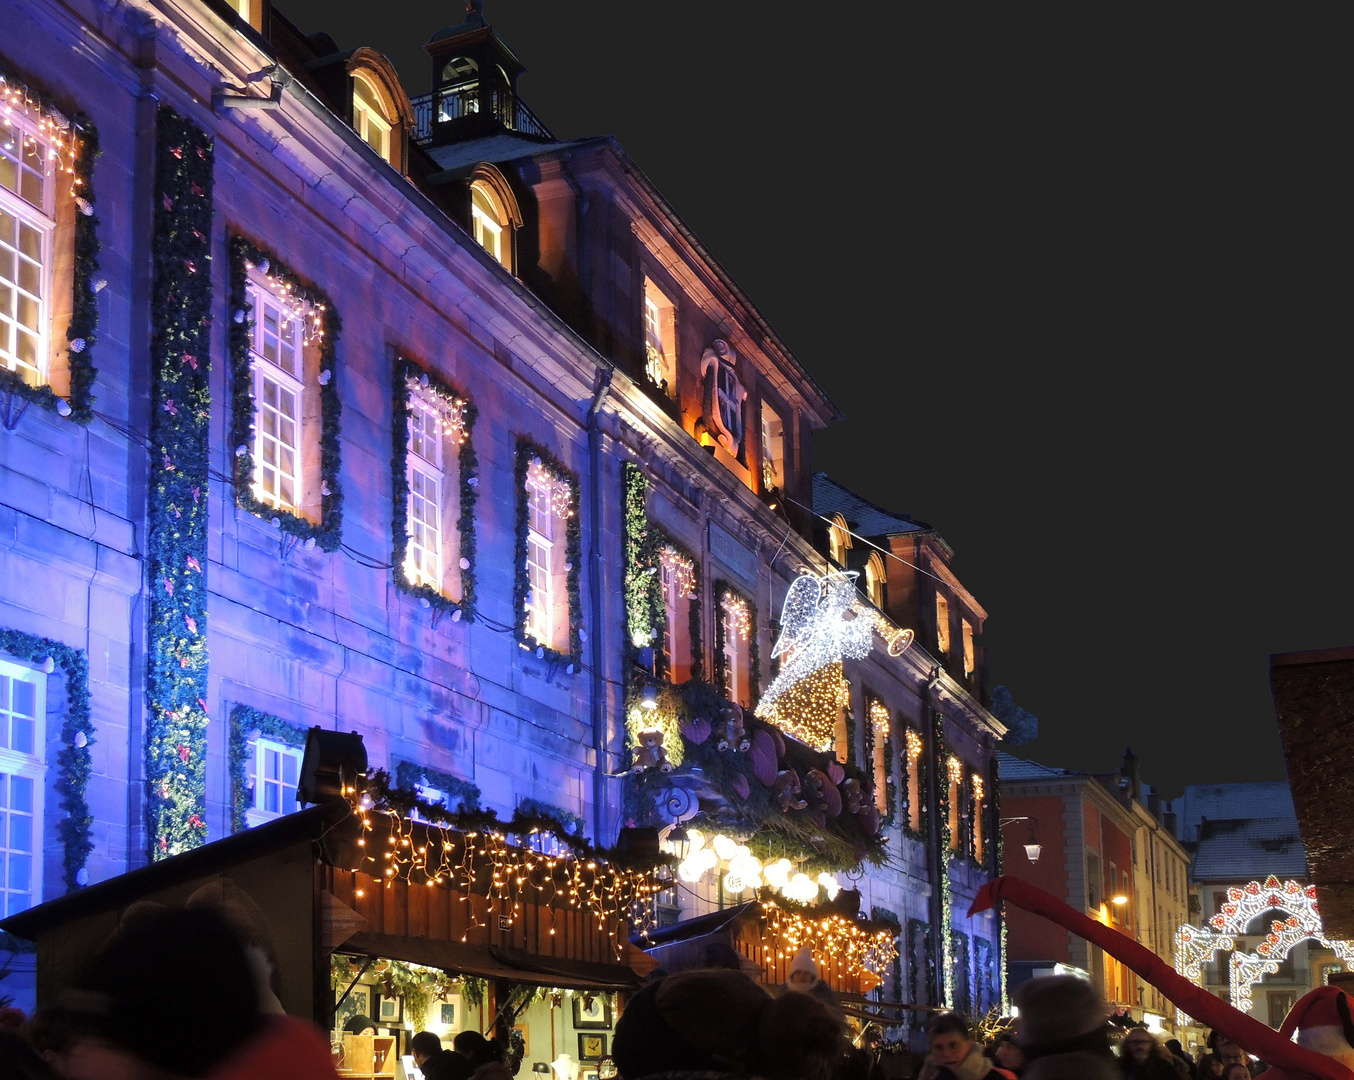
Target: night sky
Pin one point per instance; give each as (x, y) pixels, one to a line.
(1078, 287)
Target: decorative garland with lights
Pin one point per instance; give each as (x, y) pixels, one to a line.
(459, 795)
(574, 823)
(943, 814)
(644, 614)
(723, 589)
(74, 759)
(921, 929)
(531, 454)
(74, 143)
(410, 379)
(322, 323)
(470, 851)
(245, 720)
(884, 915)
(960, 975)
(176, 541)
(999, 868)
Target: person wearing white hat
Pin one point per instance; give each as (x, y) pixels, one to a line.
(803, 973)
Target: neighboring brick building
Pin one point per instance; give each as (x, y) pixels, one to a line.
(1107, 851)
(379, 388)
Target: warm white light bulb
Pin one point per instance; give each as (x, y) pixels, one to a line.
(725, 848)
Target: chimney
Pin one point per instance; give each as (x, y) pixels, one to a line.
(1131, 769)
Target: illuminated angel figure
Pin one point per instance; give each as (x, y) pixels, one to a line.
(822, 623)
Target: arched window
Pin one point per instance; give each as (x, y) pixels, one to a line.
(370, 118)
(838, 540)
(493, 214)
(874, 579)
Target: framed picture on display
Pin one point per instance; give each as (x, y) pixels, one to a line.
(449, 1013)
(391, 1009)
(521, 1030)
(592, 1012)
(589, 1074)
(591, 1046)
(357, 1003)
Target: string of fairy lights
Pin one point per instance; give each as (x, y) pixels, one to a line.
(34, 129)
(486, 862)
(833, 939)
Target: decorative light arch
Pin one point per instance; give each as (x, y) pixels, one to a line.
(1195, 945)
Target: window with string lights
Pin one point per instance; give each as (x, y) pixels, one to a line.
(912, 746)
(978, 838)
(43, 277)
(549, 554)
(736, 622)
(679, 583)
(437, 500)
(955, 771)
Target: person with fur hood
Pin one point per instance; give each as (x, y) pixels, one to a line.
(1062, 1031)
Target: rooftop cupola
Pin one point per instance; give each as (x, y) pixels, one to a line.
(474, 85)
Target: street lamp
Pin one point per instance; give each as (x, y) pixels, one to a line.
(1119, 901)
(1033, 849)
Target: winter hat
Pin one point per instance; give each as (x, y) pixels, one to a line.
(803, 961)
(1323, 1023)
(1058, 1008)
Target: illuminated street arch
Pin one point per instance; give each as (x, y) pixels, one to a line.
(1195, 945)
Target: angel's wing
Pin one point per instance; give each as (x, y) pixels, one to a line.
(798, 611)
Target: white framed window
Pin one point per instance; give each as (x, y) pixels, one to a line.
(541, 558)
(488, 223)
(737, 620)
(276, 769)
(278, 365)
(660, 335)
(912, 749)
(773, 449)
(369, 119)
(27, 225)
(880, 718)
(423, 466)
(23, 712)
(966, 628)
(679, 589)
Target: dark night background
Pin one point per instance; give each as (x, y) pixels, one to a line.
(1078, 283)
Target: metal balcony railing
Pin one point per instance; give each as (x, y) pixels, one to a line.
(454, 103)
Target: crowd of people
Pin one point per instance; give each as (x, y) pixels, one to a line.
(189, 992)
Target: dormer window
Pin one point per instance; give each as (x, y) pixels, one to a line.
(369, 118)
(493, 214)
(838, 540)
(874, 579)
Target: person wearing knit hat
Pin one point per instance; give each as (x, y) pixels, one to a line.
(803, 973)
(1062, 1030)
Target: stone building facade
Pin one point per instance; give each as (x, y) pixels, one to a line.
(323, 407)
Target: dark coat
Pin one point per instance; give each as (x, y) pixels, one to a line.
(447, 1065)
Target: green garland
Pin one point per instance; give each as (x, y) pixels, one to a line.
(405, 372)
(959, 953)
(998, 868)
(720, 589)
(243, 720)
(327, 533)
(84, 306)
(181, 301)
(943, 812)
(574, 822)
(461, 794)
(921, 928)
(643, 581)
(573, 554)
(74, 759)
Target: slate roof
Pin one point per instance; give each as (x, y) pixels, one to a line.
(862, 516)
(1010, 767)
(1234, 802)
(1240, 851)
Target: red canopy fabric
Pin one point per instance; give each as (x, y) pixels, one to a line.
(1247, 1032)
